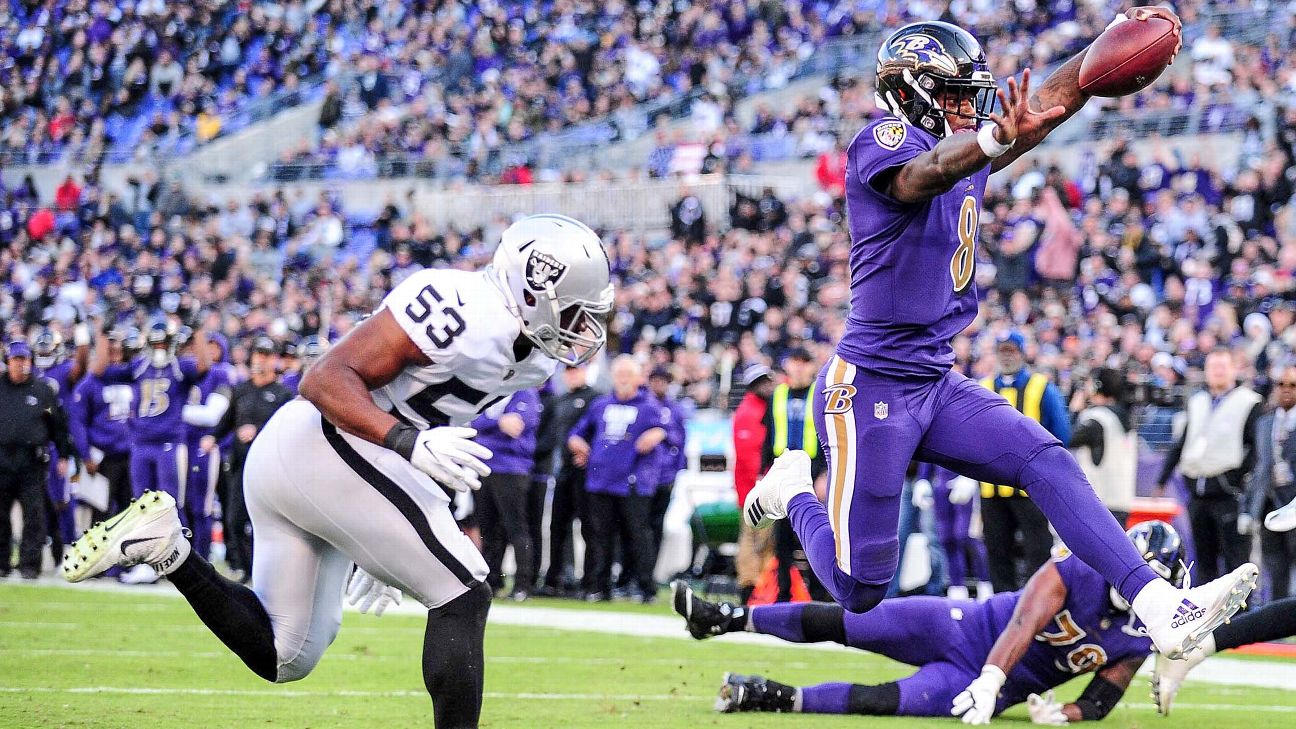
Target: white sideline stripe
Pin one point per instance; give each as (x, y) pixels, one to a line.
(525, 660)
(1219, 670)
(294, 694)
(527, 696)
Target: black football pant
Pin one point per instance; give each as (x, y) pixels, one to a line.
(238, 525)
(502, 513)
(627, 517)
(1214, 524)
(1016, 533)
(568, 505)
(27, 487)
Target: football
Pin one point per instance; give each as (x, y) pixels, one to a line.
(1127, 57)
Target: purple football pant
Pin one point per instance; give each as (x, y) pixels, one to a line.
(961, 550)
(159, 467)
(200, 497)
(872, 426)
(920, 631)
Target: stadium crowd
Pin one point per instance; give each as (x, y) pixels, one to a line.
(704, 61)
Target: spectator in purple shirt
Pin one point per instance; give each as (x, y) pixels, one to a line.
(616, 440)
(502, 501)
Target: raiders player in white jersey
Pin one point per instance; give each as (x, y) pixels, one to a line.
(352, 471)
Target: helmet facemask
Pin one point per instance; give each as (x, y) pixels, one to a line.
(571, 334)
(921, 64)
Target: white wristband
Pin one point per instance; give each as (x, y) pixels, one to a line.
(991, 146)
(81, 335)
(1120, 18)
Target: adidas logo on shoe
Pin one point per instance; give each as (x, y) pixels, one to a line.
(1186, 613)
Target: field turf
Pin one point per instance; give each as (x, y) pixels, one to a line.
(84, 658)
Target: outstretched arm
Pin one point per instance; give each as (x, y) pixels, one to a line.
(1062, 90)
(935, 171)
(1043, 598)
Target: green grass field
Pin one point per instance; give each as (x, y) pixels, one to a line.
(81, 658)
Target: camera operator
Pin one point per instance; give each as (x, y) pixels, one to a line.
(1104, 445)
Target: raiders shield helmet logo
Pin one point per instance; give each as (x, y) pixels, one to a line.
(543, 270)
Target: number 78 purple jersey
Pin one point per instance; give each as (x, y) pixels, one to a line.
(912, 264)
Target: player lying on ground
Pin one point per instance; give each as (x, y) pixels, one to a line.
(354, 472)
(1275, 621)
(975, 659)
(915, 181)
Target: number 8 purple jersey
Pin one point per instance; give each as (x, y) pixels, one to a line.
(912, 264)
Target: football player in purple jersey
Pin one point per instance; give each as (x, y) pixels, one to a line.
(1067, 621)
(915, 180)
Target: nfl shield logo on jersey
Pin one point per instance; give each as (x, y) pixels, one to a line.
(881, 410)
(543, 270)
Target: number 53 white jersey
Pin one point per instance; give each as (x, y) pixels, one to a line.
(460, 321)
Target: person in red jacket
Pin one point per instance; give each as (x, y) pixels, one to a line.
(754, 545)
(830, 170)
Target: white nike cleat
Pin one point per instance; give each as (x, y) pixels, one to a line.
(1282, 519)
(1168, 675)
(1178, 620)
(147, 532)
(140, 574)
(788, 476)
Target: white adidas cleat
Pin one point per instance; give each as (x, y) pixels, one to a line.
(1282, 519)
(788, 476)
(1168, 675)
(1178, 621)
(147, 532)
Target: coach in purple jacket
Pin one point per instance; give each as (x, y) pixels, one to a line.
(510, 434)
(616, 439)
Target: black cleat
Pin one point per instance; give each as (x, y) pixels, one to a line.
(754, 693)
(706, 619)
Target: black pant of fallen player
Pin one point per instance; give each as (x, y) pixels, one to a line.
(26, 486)
(1014, 558)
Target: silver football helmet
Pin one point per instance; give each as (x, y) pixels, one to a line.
(555, 277)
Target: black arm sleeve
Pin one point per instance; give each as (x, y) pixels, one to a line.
(60, 435)
(1172, 458)
(1098, 699)
(1249, 441)
(1089, 433)
(226, 423)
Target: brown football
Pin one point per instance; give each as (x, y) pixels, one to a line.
(1127, 57)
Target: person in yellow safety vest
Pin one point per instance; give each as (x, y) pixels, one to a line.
(1017, 535)
(789, 423)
